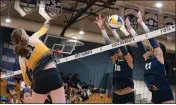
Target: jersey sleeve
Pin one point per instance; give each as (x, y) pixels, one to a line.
(43, 30)
(23, 69)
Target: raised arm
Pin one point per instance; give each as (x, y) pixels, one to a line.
(43, 30)
(123, 49)
(100, 23)
(24, 73)
(157, 50)
(139, 44)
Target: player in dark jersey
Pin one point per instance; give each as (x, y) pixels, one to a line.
(154, 76)
(123, 66)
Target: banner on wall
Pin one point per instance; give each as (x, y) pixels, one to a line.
(9, 60)
(151, 19)
(24, 7)
(50, 9)
(131, 13)
(169, 20)
(4, 4)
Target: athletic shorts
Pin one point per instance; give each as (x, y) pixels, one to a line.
(45, 81)
(123, 99)
(161, 96)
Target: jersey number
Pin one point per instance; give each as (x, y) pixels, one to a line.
(117, 67)
(31, 49)
(148, 66)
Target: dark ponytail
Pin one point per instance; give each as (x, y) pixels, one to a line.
(19, 39)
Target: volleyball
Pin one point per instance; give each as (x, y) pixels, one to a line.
(115, 21)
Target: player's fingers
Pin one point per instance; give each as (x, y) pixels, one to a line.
(96, 18)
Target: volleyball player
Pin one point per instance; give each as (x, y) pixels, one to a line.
(123, 66)
(34, 55)
(154, 77)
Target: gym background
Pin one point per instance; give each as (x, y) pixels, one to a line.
(96, 69)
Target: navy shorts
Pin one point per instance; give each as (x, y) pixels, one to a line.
(123, 99)
(161, 96)
(45, 81)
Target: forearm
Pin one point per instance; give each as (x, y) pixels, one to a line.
(107, 41)
(43, 30)
(23, 69)
(139, 44)
(152, 41)
(144, 26)
(141, 47)
(26, 79)
(133, 32)
(157, 50)
(105, 36)
(123, 48)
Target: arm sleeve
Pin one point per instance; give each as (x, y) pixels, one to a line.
(123, 48)
(43, 30)
(139, 44)
(152, 41)
(146, 29)
(141, 47)
(107, 41)
(23, 69)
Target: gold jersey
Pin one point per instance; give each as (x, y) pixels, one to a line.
(37, 50)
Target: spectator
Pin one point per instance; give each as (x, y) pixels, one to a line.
(69, 79)
(14, 99)
(77, 81)
(11, 85)
(26, 96)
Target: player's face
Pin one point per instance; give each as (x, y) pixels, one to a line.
(27, 98)
(120, 54)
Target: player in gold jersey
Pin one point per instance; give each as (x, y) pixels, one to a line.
(37, 57)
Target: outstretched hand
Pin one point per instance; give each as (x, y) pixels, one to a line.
(139, 16)
(100, 22)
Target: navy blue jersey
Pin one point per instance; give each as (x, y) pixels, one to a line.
(122, 75)
(155, 74)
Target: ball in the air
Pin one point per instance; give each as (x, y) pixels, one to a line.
(115, 21)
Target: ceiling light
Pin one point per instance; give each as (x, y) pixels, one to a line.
(8, 20)
(81, 32)
(159, 5)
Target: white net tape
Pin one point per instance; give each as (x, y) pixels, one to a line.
(128, 41)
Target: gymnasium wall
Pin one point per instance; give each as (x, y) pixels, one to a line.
(56, 30)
